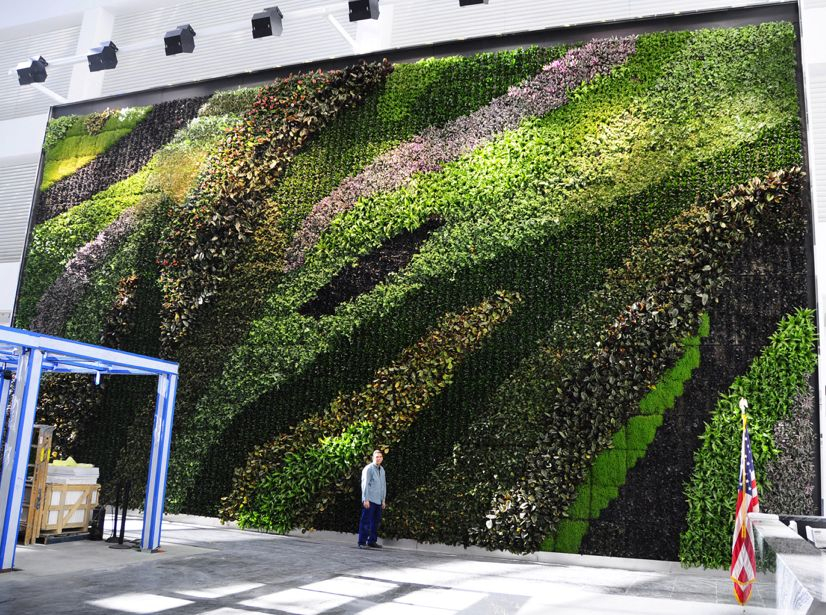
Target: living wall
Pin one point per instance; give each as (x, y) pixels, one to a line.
(500, 268)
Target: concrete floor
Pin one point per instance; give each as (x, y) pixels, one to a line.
(223, 571)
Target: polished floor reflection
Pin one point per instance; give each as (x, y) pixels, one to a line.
(221, 571)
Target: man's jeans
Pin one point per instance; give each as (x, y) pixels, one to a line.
(369, 524)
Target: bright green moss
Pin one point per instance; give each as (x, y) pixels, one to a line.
(70, 146)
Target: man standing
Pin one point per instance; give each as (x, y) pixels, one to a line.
(373, 495)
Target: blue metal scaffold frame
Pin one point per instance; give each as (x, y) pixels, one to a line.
(30, 355)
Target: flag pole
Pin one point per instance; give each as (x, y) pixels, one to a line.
(743, 561)
(743, 405)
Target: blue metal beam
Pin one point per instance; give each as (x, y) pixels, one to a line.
(5, 385)
(159, 462)
(17, 452)
(71, 350)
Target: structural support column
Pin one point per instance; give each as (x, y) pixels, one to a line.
(5, 385)
(159, 462)
(17, 452)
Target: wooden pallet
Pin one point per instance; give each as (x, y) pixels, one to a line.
(38, 469)
(48, 539)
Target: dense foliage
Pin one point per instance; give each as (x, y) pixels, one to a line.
(566, 402)
(628, 445)
(791, 477)
(55, 243)
(122, 159)
(208, 230)
(770, 386)
(489, 264)
(296, 476)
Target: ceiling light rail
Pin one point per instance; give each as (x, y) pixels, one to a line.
(181, 39)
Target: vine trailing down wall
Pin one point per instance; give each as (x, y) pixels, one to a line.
(495, 267)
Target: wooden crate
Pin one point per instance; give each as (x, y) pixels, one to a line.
(68, 507)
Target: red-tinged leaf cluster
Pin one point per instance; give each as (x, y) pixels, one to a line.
(208, 232)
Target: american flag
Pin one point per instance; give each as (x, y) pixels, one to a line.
(743, 571)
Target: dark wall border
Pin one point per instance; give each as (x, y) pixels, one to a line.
(718, 18)
(811, 281)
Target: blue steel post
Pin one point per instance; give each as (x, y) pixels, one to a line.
(17, 452)
(159, 462)
(5, 385)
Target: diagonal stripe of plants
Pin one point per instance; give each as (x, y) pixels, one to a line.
(287, 482)
(72, 142)
(770, 386)
(285, 344)
(511, 481)
(619, 136)
(434, 147)
(186, 152)
(121, 161)
(607, 474)
(413, 96)
(203, 240)
(56, 304)
(55, 242)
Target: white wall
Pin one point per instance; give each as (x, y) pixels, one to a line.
(813, 50)
(19, 160)
(8, 287)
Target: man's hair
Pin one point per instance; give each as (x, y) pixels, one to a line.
(377, 451)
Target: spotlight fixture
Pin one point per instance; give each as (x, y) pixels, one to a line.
(267, 23)
(364, 9)
(103, 57)
(32, 70)
(471, 2)
(179, 40)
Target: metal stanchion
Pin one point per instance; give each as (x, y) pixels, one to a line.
(120, 544)
(114, 536)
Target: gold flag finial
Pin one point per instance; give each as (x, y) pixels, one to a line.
(743, 405)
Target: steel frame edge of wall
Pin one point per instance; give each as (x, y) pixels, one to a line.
(820, 318)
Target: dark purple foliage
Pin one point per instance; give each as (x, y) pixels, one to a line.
(790, 477)
(433, 148)
(58, 302)
(370, 270)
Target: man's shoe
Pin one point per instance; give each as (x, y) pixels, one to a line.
(362, 546)
(374, 545)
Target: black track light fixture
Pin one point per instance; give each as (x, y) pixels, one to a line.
(364, 9)
(179, 40)
(32, 70)
(471, 2)
(103, 57)
(267, 23)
